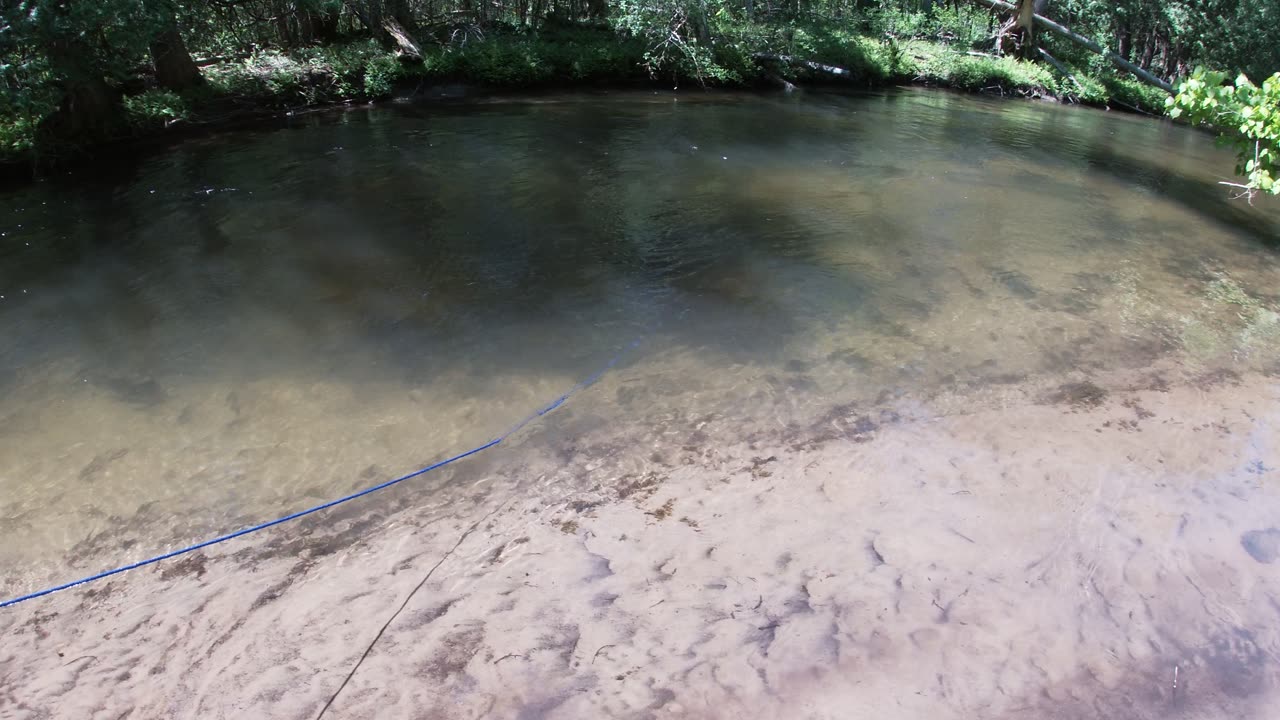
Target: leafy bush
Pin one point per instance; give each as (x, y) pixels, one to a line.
(867, 59)
(350, 71)
(269, 72)
(1247, 117)
(1133, 93)
(380, 75)
(531, 59)
(17, 136)
(505, 64)
(899, 23)
(964, 26)
(677, 37)
(956, 69)
(155, 108)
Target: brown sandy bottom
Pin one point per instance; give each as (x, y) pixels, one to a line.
(1041, 553)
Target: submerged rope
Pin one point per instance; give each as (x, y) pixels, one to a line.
(591, 380)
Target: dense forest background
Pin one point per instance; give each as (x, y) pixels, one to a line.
(75, 73)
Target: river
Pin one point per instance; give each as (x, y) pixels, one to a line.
(251, 323)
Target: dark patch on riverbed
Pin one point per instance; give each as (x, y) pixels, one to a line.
(1016, 283)
(192, 564)
(145, 393)
(1078, 395)
(99, 465)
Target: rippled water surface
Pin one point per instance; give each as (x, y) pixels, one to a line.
(247, 325)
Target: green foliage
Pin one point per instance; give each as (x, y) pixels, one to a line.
(380, 75)
(270, 73)
(1131, 92)
(676, 34)
(156, 108)
(947, 66)
(1004, 72)
(503, 64)
(1168, 36)
(963, 26)
(26, 105)
(285, 53)
(17, 137)
(869, 60)
(533, 59)
(351, 71)
(1247, 117)
(900, 23)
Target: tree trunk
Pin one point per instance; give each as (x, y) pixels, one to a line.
(91, 109)
(175, 70)
(1171, 58)
(834, 70)
(319, 26)
(1025, 24)
(399, 9)
(369, 13)
(1017, 35)
(393, 27)
(324, 25)
(403, 41)
(400, 23)
(1148, 51)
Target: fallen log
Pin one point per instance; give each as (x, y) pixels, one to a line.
(787, 87)
(222, 59)
(807, 63)
(1074, 37)
(1061, 68)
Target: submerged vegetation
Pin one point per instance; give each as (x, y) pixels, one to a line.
(75, 74)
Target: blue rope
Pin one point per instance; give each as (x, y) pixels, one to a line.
(367, 491)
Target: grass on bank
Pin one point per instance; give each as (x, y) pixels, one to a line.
(892, 51)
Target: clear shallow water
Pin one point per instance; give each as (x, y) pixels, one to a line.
(247, 325)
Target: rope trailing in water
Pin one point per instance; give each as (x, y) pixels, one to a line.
(325, 506)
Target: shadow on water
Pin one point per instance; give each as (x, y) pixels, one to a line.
(494, 237)
(1209, 199)
(407, 233)
(1133, 151)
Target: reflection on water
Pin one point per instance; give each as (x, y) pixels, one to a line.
(246, 325)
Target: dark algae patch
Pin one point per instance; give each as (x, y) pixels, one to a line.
(1078, 395)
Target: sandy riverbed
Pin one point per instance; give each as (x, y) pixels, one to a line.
(1101, 550)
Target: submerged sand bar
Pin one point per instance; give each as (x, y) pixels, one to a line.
(906, 560)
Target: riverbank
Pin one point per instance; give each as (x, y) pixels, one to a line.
(274, 84)
(1011, 551)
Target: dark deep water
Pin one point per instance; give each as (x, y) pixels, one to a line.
(249, 324)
